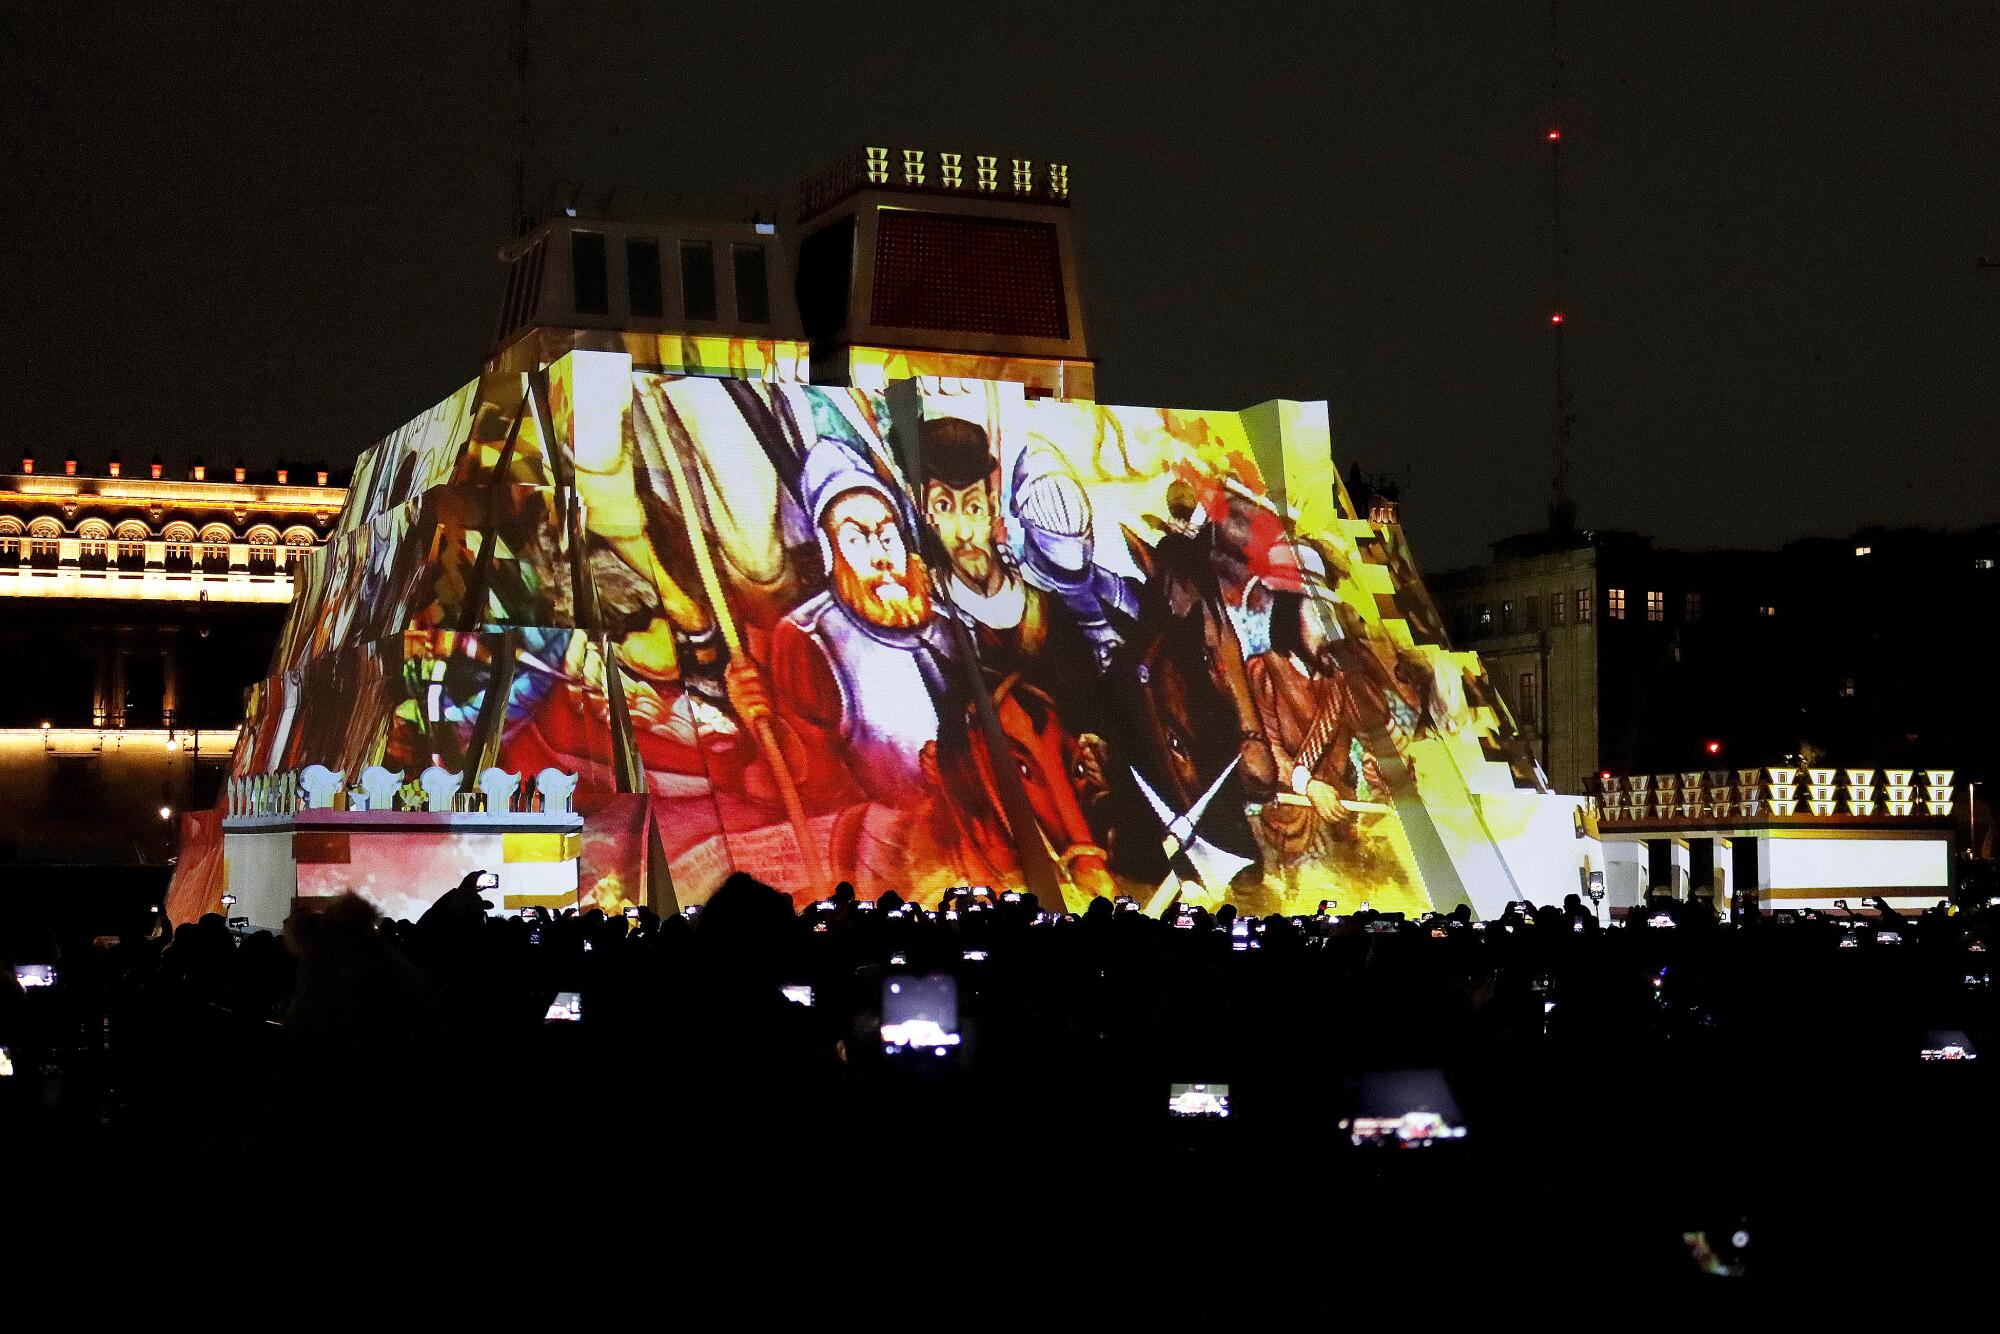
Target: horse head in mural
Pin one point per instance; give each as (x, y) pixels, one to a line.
(1186, 707)
(960, 833)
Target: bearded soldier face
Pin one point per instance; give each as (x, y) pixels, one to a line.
(963, 517)
(874, 573)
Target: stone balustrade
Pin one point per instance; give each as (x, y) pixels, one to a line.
(1754, 794)
(436, 790)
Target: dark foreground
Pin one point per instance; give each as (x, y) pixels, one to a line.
(398, 1088)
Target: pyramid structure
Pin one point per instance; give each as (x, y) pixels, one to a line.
(935, 634)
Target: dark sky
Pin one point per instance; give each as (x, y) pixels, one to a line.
(269, 229)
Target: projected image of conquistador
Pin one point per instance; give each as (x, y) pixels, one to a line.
(861, 673)
(1059, 553)
(1314, 716)
(1018, 626)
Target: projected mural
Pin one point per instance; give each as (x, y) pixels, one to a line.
(933, 635)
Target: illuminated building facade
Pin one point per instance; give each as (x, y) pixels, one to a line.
(1780, 837)
(766, 528)
(137, 609)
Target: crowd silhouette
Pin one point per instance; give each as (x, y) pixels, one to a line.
(1649, 1084)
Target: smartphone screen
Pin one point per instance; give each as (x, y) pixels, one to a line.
(1199, 1101)
(1948, 1044)
(1407, 1109)
(799, 995)
(567, 1005)
(920, 1014)
(31, 975)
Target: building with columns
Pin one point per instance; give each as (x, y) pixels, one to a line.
(137, 608)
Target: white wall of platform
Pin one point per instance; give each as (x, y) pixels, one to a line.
(1797, 867)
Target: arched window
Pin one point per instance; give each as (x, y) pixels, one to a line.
(132, 545)
(179, 537)
(215, 540)
(263, 543)
(95, 533)
(298, 545)
(44, 542)
(11, 530)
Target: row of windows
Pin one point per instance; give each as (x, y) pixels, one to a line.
(1656, 606)
(645, 289)
(132, 530)
(1530, 611)
(1527, 613)
(96, 554)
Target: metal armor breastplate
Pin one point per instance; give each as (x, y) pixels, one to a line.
(887, 709)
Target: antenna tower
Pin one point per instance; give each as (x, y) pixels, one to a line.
(1562, 510)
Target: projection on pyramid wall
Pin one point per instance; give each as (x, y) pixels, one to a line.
(938, 635)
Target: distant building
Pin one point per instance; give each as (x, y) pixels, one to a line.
(135, 609)
(1617, 656)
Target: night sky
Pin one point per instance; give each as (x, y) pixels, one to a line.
(269, 230)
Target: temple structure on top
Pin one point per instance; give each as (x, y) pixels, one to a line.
(794, 532)
(890, 263)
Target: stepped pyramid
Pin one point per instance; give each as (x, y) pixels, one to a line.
(787, 628)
